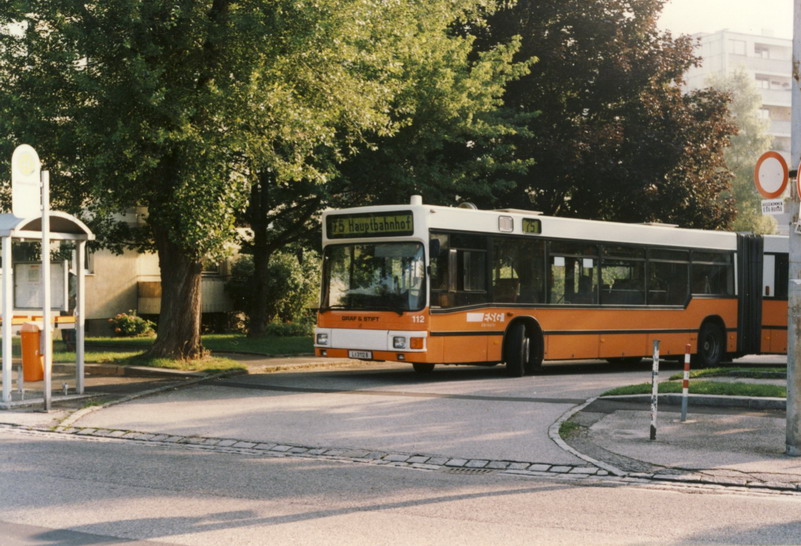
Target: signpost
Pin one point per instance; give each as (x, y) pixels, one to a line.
(770, 175)
(30, 198)
(772, 206)
(793, 428)
(26, 184)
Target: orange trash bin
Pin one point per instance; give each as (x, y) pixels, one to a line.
(32, 358)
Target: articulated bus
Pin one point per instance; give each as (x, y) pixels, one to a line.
(450, 285)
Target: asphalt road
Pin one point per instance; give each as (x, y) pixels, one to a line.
(61, 489)
(454, 412)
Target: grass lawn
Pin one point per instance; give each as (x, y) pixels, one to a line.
(217, 343)
(128, 351)
(268, 346)
(751, 373)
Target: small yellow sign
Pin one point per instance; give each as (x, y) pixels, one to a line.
(532, 226)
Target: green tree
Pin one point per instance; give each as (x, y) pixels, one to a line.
(751, 141)
(293, 276)
(457, 141)
(182, 106)
(615, 137)
(450, 137)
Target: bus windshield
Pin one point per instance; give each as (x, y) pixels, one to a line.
(374, 276)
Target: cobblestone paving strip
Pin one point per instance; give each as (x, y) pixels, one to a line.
(411, 460)
(418, 461)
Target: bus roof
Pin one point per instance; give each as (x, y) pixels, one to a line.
(534, 224)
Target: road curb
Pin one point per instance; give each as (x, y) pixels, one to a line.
(706, 400)
(553, 432)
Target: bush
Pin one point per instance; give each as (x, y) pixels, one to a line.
(293, 289)
(130, 325)
(289, 329)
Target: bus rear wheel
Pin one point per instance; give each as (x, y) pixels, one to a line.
(516, 350)
(711, 346)
(422, 367)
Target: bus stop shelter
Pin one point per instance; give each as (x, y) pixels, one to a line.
(62, 227)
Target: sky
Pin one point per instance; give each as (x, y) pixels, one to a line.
(750, 16)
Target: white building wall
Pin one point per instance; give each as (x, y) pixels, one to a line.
(766, 59)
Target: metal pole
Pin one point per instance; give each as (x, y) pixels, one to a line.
(654, 388)
(685, 384)
(8, 313)
(80, 314)
(793, 441)
(47, 333)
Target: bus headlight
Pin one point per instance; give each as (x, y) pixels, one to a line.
(322, 339)
(398, 342)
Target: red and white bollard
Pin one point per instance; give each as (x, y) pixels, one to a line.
(685, 384)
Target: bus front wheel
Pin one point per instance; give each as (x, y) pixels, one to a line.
(516, 351)
(711, 346)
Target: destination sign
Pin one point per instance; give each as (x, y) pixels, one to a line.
(531, 225)
(371, 224)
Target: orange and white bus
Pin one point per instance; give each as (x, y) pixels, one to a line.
(440, 285)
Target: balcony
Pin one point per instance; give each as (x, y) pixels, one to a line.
(761, 65)
(779, 128)
(776, 97)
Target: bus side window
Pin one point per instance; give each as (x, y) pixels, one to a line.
(782, 272)
(440, 271)
(518, 270)
(667, 283)
(712, 273)
(471, 284)
(573, 280)
(775, 268)
(622, 275)
(769, 275)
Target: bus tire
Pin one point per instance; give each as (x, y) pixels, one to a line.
(711, 346)
(533, 364)
(422, 367)
(516, 351)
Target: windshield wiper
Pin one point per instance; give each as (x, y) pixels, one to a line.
(398, 310)
(329, 307)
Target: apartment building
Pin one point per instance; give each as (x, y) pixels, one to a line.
(766, 58)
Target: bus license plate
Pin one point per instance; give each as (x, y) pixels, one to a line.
(360, 354)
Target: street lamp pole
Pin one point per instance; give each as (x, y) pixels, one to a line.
(794, 290)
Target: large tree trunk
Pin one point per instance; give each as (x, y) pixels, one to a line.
(179, 321)
(259, 207)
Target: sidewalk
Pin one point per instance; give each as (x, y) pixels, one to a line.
(110, 384)
(734, 445)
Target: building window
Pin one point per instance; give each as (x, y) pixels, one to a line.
(737, 47)
(762, 51)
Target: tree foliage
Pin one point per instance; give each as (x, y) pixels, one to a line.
(614, 137)
(447, 137)
(456, 139)
(751, 141)
(182, 106)
(293, 277)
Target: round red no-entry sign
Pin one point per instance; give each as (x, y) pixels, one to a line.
(770, 175)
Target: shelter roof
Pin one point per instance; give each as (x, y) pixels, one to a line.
(62, 226)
